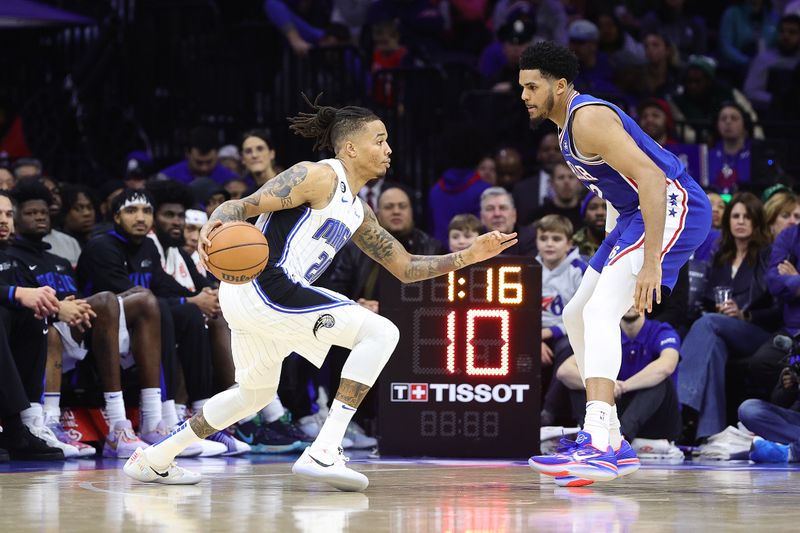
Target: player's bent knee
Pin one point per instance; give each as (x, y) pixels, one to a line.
(380, 329)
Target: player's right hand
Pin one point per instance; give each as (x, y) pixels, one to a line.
(41, 300)
(203, 243)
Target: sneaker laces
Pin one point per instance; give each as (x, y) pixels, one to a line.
(566, 445)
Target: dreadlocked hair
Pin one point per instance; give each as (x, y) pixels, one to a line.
(329, 125)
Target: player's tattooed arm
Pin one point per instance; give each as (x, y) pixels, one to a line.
(383, 248)
(200, 427)
(303, 183)
(351, 392)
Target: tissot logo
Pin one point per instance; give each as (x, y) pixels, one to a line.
(459, 392)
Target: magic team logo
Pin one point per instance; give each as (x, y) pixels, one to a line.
(324, 321)
(343, 186)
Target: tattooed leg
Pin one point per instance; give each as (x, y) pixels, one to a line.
(351, 392)
(200, 426)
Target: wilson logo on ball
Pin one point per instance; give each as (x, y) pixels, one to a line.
(238, 252)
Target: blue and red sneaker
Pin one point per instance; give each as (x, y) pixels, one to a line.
(627, 463)
(578, 459)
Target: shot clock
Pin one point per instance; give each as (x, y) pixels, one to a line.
(464, 379)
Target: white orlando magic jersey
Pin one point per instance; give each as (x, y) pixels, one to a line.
(302, 241)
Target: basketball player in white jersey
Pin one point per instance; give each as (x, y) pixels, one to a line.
(308, 213)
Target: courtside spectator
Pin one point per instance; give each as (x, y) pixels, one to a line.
(202, 160)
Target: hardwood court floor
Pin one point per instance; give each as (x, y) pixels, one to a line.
(404, 496)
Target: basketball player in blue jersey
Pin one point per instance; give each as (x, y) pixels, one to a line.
(308, 213)
(662, 216)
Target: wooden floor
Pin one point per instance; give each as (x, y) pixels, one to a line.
(403, 496)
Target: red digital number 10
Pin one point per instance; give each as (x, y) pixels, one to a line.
(472, 316)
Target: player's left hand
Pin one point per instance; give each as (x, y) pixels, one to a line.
(490, 244)
(647, 282)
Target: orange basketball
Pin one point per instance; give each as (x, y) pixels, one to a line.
(238, 252)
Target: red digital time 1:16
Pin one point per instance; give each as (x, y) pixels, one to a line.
(507, 292)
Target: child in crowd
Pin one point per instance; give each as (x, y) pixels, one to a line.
(462, 231)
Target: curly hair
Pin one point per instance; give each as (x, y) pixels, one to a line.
(329, 125)
(170, 192)
(551, 59)
(27, 190)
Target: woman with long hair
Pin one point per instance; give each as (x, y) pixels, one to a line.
(740, 315)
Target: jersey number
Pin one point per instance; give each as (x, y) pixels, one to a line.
(586, 178)
(318, 268)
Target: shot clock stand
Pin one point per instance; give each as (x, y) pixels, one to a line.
(464, 380)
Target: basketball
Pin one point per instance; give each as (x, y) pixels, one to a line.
(238, 252)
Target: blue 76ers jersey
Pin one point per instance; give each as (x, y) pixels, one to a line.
(600, 177)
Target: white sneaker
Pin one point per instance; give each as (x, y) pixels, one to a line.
(361, 441)
(160, 432)
(140, 469)
(657, 450)
(211, 448)
(331, 468)
(38, 429)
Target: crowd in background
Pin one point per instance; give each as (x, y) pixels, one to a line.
(132, 313)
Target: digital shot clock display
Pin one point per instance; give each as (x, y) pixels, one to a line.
(464, 378)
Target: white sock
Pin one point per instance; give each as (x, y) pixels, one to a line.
(170, 413)
(332, 432)
(598, 420)
(163, 452)
(32, 416)
(196, 406)
(273, 411)
(614, 429)
(115, 408)
(52, 407)
(151, 409)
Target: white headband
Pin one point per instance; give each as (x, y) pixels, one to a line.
(135, 199)
(195, 217)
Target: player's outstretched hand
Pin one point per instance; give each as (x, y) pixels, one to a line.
(203, 243)
(490, 244)
(648, 282)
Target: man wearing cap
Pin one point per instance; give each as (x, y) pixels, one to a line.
(595, 73)
(202, 160)
(230, 159)
(703, 95)
(498, 61)
(27, 167)
(138, 167)
(655, 118)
